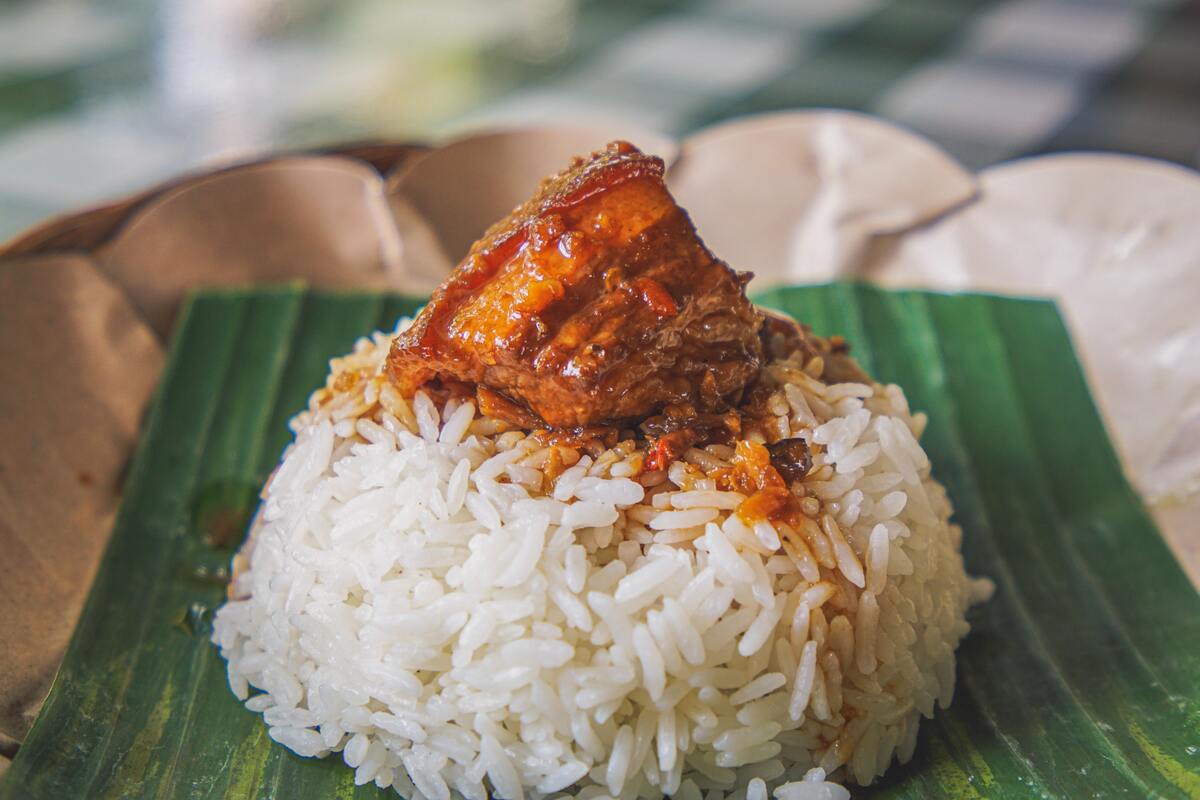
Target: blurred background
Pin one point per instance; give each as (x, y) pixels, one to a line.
(102, 98)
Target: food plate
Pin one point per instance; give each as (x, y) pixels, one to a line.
(1070, 683)
(797, 197)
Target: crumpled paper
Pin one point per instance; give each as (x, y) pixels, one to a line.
(69, 417)
(796, 197)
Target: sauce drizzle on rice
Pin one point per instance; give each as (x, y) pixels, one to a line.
(594, 309)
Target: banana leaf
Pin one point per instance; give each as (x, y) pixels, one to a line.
(1081, 678)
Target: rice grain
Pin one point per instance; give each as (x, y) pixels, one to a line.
(459, 608)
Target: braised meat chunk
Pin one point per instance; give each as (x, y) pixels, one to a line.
(594, 302)
(783, 337)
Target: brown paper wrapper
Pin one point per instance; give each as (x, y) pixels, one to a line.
(78, 364)
(89, 299)
(88, 305)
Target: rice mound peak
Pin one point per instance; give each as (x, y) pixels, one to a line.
(460, 608)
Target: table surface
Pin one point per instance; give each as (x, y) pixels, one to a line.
(98, 99)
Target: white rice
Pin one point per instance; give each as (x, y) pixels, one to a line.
(459, 609)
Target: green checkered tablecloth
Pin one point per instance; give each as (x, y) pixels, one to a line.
(97, 99)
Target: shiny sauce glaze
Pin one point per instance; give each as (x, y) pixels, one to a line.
(594, 312)
(595, 303)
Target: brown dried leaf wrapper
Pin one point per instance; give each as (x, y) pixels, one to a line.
(79, 366)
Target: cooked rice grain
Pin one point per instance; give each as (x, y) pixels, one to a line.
(422, 593)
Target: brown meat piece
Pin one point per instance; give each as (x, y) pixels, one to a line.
(782, 337)
(593, 302)
(791, 458)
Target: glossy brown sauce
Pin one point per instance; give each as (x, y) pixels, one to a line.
(594, 312)
(595, 303)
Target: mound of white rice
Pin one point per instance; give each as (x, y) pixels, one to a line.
(459, 608)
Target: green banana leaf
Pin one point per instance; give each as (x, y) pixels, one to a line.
(1081, 678)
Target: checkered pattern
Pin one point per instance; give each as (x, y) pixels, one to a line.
(97, 98)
